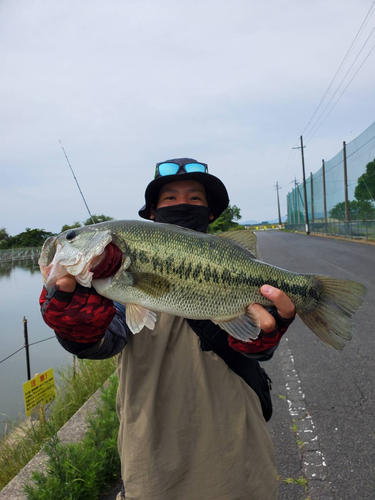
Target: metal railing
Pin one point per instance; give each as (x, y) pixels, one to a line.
(14, 254)
(358, 229)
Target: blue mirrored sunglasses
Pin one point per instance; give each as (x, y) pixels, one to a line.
(170, 168)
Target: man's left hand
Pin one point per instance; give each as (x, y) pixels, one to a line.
(284, 306)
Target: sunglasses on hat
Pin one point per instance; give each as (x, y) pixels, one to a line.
(171, 168)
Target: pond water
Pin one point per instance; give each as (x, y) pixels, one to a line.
(20, 287)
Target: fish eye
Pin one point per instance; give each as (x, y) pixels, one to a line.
(71, 235)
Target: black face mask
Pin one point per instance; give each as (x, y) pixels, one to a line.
(195, 217)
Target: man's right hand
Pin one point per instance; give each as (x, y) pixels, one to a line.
(75, 312)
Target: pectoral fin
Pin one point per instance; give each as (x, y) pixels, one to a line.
(245, 327)
(137, 317)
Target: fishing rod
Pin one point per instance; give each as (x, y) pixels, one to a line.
(75, 178)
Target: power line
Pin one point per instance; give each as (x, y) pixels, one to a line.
(290, 162)
(338, 70)
(355, 74)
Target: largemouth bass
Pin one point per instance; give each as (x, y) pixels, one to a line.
(160, 267)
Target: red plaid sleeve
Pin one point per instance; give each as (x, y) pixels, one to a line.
(265, 341)
(81, 316)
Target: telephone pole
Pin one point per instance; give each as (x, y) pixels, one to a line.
(304, 187)
(278, 201)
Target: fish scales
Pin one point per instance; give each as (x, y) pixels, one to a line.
(170, 269)
(212, 267)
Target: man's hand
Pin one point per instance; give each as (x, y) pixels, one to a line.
(67, 283)
(284, 306)
(273, 326)
(76, 313)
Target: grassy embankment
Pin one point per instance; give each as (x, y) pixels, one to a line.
(74, 388)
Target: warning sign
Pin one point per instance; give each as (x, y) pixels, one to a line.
(39, 391)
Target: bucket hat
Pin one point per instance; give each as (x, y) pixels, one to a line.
(217, 194)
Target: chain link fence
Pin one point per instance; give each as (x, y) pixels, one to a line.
(332, 206)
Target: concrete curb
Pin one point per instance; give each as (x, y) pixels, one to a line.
(74, 430)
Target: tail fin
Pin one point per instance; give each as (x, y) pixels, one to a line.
(331, 319)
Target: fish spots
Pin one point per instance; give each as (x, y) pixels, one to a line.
(188, 271)
(197, 271)
(215, 276)
(207, 273)
(169, 263)
(291, 288)
(157, 264)
(143, 258)
(226, 277)
(139, 256)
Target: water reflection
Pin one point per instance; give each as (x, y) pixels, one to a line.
(6, 268)
(20, 287)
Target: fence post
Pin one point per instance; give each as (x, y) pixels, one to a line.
(312, 197)
(324, 191)
(26, 337)
(347, 213)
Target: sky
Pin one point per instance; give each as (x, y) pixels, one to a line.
(124, 84)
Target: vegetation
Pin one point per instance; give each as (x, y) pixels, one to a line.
(365, 189)
(28, 238)
(358, 210)
(81, 470)
(74, 388)
(97, 219)
(226, 221)
(66, 227)
(36, 237)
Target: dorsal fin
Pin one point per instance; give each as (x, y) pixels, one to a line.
(245, 238)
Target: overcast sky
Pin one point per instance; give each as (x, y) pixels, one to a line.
(125, 84)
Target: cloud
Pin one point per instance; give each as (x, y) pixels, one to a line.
(124, 84)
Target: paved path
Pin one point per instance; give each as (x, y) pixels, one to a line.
(331, 394)
(323, 425)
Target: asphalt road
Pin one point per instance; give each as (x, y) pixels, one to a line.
(323, 425)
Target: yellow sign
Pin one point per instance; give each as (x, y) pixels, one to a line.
(39, 391)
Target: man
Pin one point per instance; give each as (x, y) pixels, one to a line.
(192, 401)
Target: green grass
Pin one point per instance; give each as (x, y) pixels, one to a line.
(72, 391)
(82, 470)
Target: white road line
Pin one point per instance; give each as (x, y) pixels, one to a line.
(313, 462)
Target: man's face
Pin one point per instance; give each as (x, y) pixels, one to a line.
(179, 192)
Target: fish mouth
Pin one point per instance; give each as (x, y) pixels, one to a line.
(108, 263)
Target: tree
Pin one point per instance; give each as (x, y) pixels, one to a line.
(362, 210)
(30, 238)
(358, 209)
(97, 219)
(73, 226)
(4, 239)
(226, 220)
(4, 236)
(365, 188)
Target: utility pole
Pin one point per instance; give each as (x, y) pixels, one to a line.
(278, 201)
(304, 187)
(297, 196)
(347, 216)
(324, 191)
(294, 210)
(312, 197)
